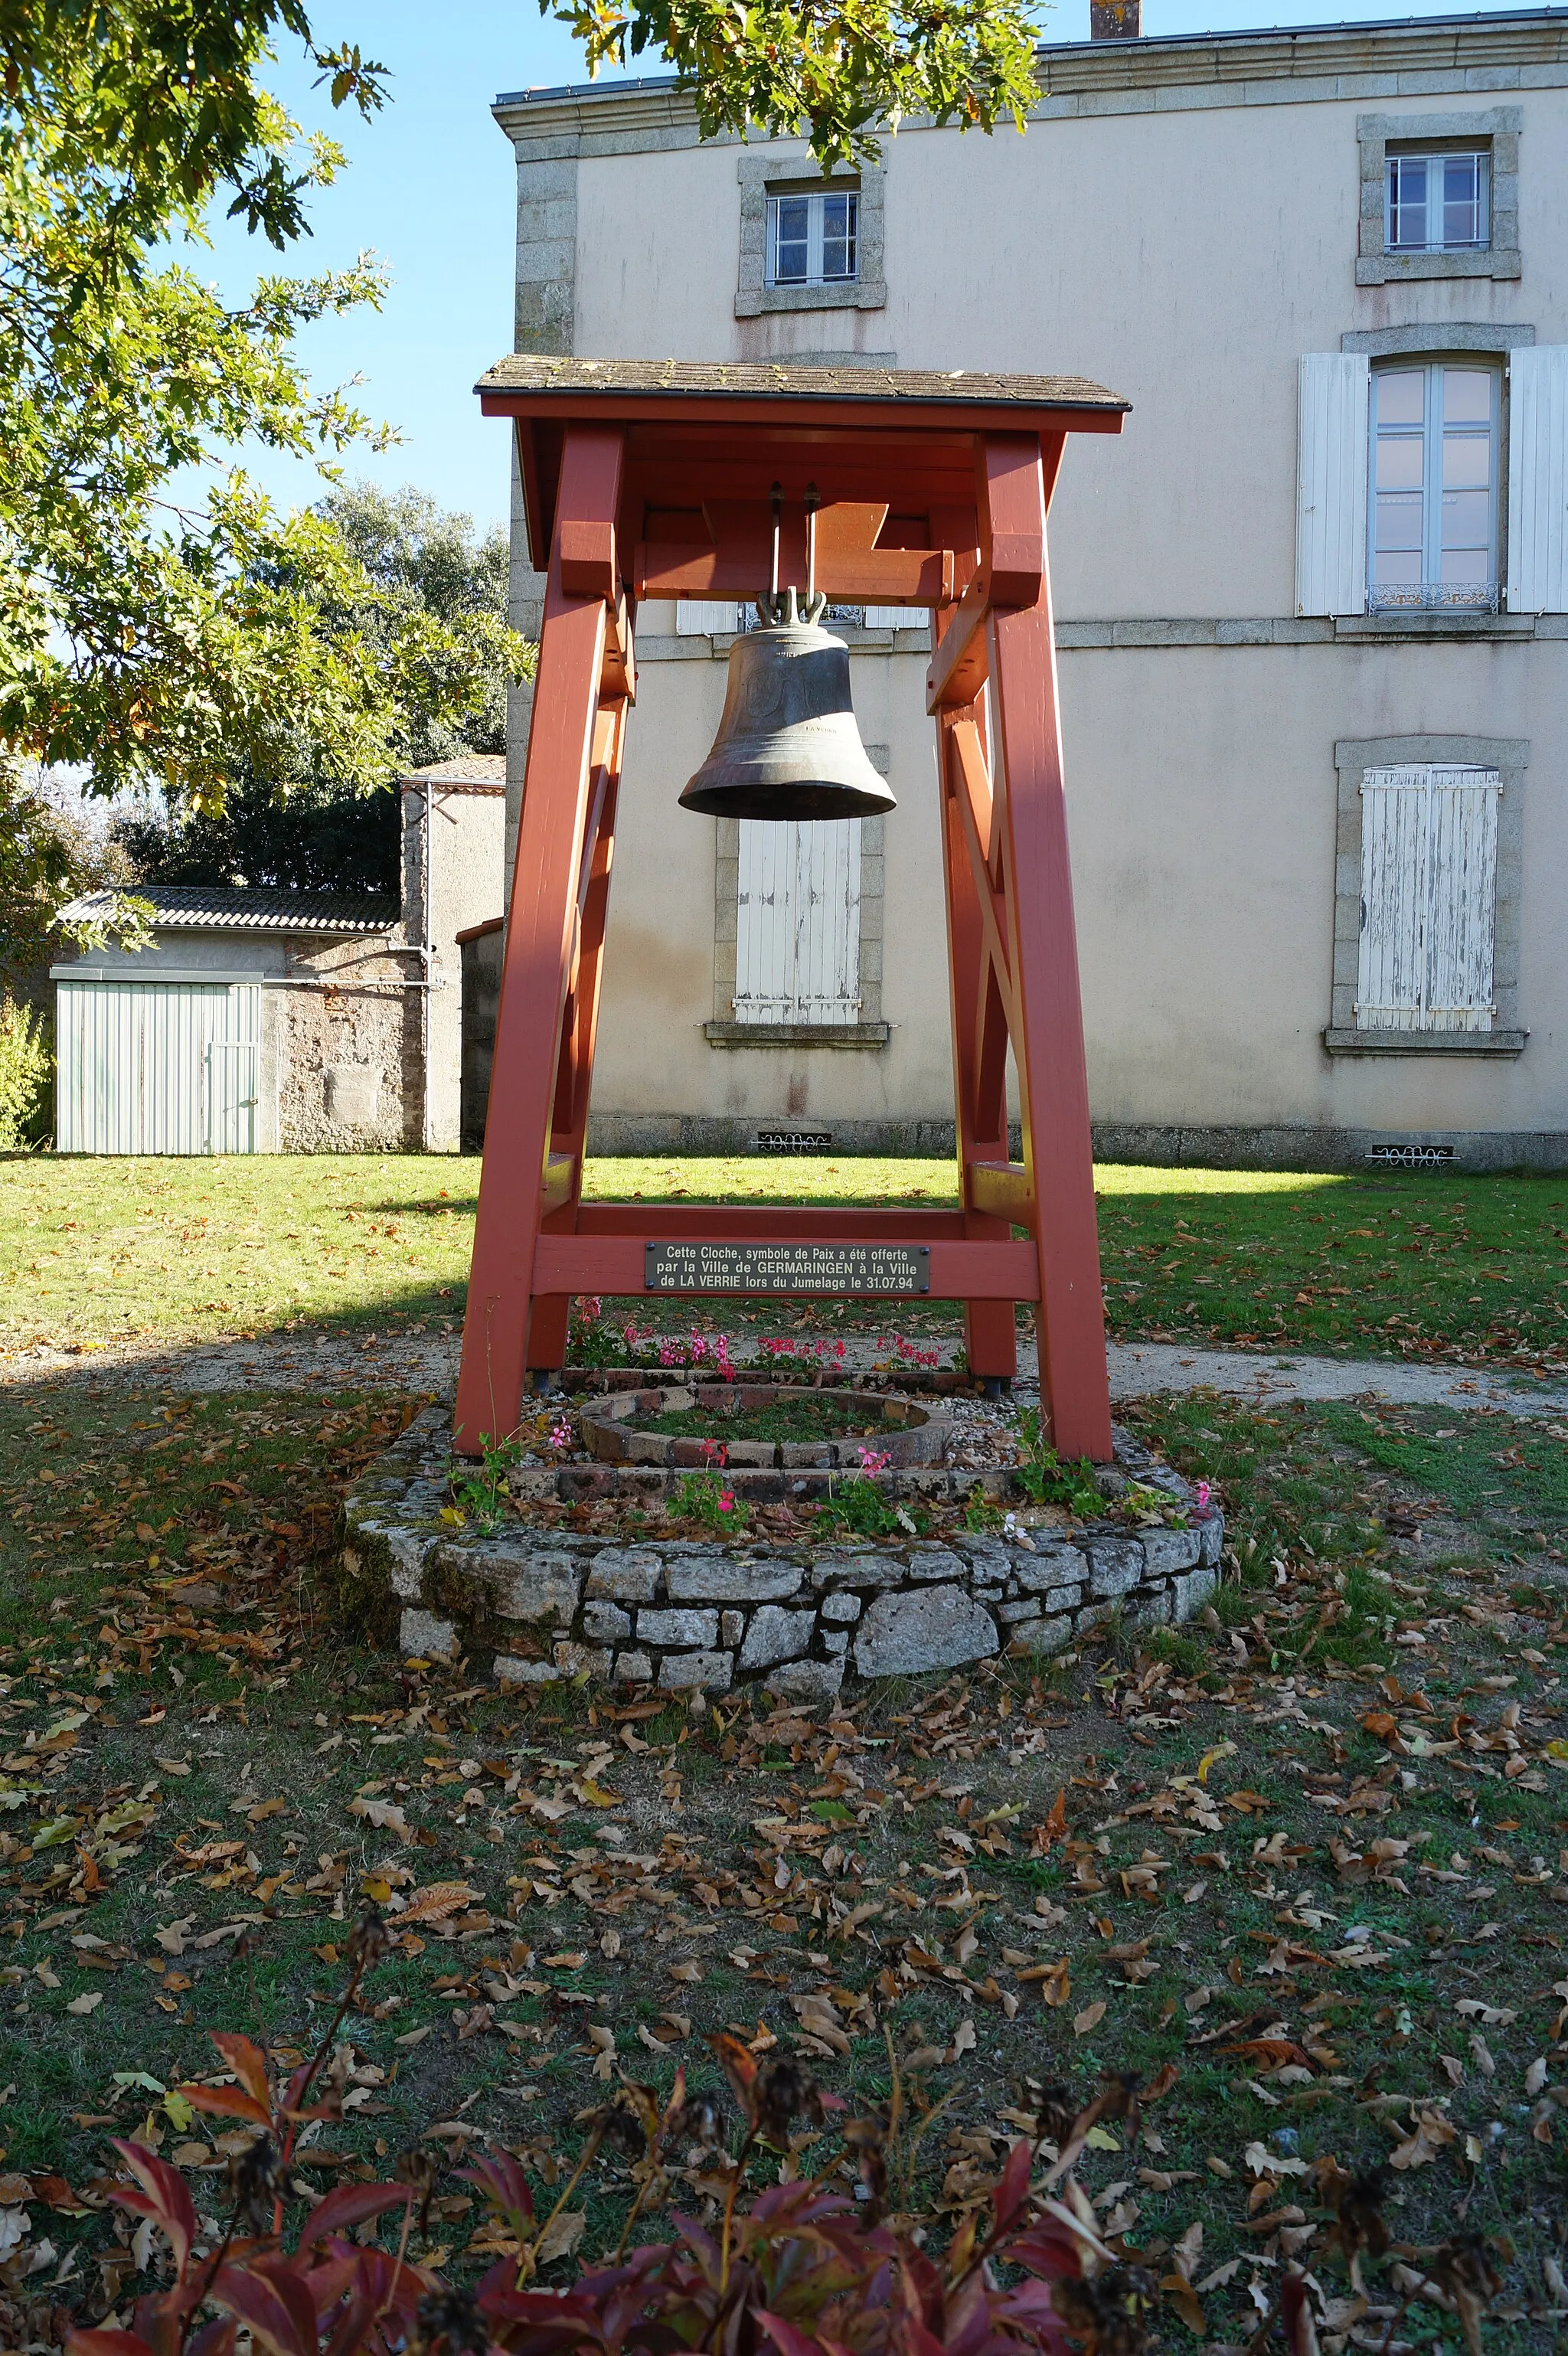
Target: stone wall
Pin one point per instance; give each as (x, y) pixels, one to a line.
(544, 1605)
(351, 1053)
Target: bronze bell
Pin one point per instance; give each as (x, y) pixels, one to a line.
(787, 745)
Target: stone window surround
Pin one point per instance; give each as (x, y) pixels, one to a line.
(1498, 127)
(1430, 342)
(760, 175)
(1435, 341)
(1353, 756)
(870, 1031)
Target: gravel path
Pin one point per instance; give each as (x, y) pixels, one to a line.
(427, 1362)
(1141, 1367)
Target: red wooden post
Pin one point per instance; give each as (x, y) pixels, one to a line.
(981, 1112)
(1042, 949)
(536, 970)
(549, 1323)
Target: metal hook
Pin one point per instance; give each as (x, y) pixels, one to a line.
(788, 605)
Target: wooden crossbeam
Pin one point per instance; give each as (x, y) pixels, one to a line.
(960, 1269)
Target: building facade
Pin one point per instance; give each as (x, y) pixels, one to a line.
(274, 1021)
(1312, 605)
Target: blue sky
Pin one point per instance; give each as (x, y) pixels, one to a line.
(430, 190)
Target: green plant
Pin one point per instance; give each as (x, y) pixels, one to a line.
(858, 1506)
(479, 1491)
(981, 1511)
(1047, 1479)
(704, 1497)
(26, 1076)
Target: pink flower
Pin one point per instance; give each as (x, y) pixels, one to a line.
(1203, 1496)
(727, 1501)
(715, 1453)
(875, 1461)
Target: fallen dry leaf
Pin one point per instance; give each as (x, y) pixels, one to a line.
(562, 2235)
(1430, 2132)
(435, 1903)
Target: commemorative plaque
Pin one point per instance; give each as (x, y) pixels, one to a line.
(868, 1268)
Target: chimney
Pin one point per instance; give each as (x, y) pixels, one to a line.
(1115, 20)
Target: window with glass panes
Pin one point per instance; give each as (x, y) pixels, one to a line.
(1437, 203)
(813, 237)
(1433, 536)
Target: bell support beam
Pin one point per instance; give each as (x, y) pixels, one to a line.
(1041, 952)
(544, 934)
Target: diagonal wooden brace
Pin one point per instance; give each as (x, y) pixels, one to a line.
(545, 937)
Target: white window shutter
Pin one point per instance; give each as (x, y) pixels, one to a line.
(1463, 865)
(764, 924)
(1394, 899)
(1538, 479)
(828, 920)
(699, 618)
(797, 935)
(1429, 863)
(1331, 483)
(892, 618)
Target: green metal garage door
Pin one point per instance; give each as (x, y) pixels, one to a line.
(158, 1067)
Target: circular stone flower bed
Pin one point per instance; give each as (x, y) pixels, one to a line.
(763, 1424)
(578, 1572)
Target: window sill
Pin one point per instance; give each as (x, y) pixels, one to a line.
(1425, 1042)
(1413, 623)
(797, 1034)
(1389, 269)
(857, 294)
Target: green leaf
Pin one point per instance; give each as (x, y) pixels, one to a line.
(51, 1836)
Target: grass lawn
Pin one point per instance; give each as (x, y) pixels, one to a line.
(1314, 1858)
(1412, 1264)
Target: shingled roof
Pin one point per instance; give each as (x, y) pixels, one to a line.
(530, 372)
(230, 908)
(479, 772)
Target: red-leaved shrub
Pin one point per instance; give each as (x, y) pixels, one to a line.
(793, 2269)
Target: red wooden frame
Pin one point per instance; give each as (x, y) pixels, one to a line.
(937, 506)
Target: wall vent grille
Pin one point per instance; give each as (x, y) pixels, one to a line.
(1413, 1157)
(794, 1141)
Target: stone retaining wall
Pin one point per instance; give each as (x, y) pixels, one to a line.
(546, 1605)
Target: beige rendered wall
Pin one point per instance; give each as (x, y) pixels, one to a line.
(1202, 793)
(1184, 257)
